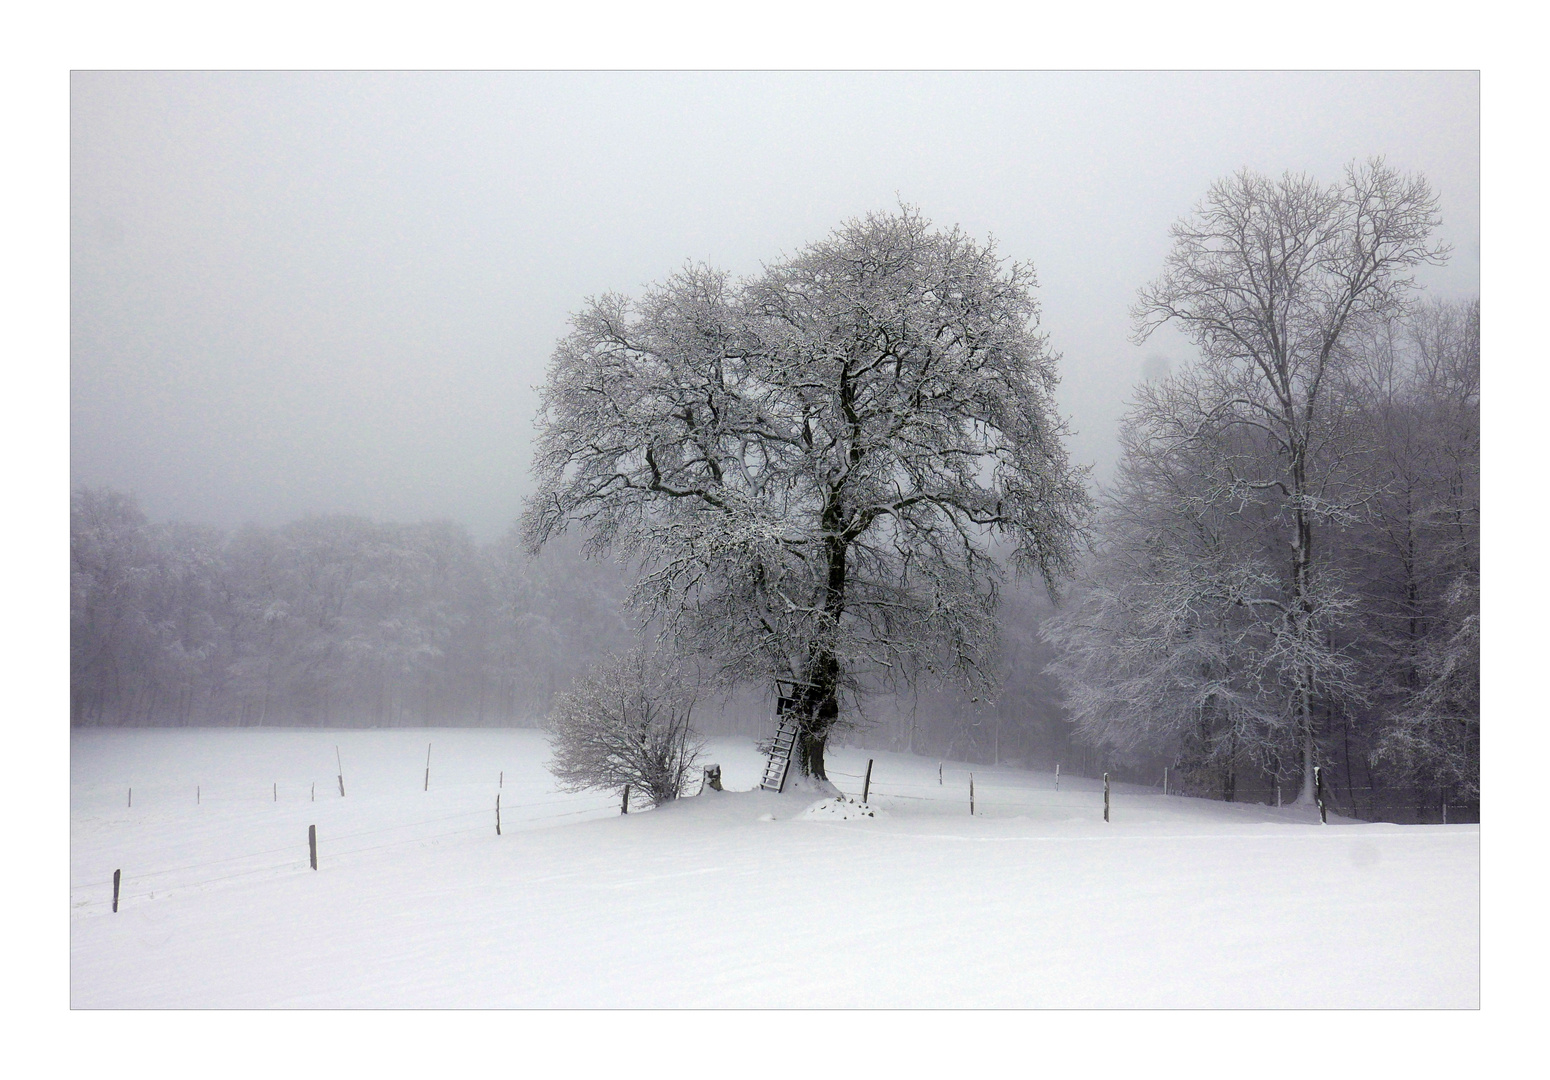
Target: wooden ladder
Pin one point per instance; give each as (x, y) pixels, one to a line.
(779, 763)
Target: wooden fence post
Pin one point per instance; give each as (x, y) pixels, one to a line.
(624, 803)
(277, 791)
(502, 784)
(497, 813)
(1278, 794)
(939, 773)
(1057, 776)
(971, 794)
(340, 763)
(312, 844)
(131, 796)
(1444, 813)
(866, 785)
(115, 889)
(427, 767)
(196, 794)
(1318, 793)
(1105, 796)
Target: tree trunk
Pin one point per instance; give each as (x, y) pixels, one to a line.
(1307, 751)
(810, 748)
(818, 707)
(816, 698)
(1302, 605)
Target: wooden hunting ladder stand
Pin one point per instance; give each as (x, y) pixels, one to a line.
(779, 763)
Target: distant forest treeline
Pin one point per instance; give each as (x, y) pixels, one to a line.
(332, 620)
(343, 621)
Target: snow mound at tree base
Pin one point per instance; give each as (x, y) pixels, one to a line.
(799, 784)
(730, 806)
(841, 809)
(733, 806)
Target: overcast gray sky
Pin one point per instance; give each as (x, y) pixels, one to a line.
(307, 293)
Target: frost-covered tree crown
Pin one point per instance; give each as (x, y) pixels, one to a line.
(812, 465)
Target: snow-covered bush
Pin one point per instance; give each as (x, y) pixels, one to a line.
(626, 722)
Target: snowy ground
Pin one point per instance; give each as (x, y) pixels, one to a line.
(738, 899)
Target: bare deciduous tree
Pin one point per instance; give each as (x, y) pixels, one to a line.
(812, 465)
(1180, 643)
(1269, 277)
(626, 722)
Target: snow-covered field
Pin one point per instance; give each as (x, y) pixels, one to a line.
(734, 899)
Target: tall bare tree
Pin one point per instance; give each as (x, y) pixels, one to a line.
(1269, 277)
(811, 465)
(1179, 643)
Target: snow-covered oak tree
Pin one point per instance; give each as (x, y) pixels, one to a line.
(626, 723)
(811, 465)
(1270, 278)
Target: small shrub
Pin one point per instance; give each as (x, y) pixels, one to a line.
(626, 722)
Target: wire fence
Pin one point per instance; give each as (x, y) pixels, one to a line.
(1365, 802)
(254, 793)
(146, 885)
(992, 796)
